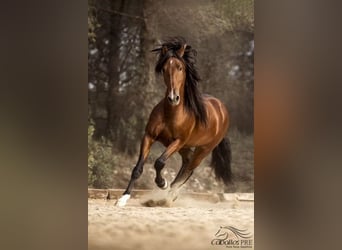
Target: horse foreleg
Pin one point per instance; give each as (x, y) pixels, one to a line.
(145, 147)
(175, 146)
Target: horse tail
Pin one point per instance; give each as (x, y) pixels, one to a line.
(220, 161)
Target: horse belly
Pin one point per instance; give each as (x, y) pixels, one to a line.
(200, 139)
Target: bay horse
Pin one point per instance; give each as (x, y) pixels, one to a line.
(185, 121)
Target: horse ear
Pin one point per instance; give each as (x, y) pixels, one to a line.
(164, 50)
(181, 51)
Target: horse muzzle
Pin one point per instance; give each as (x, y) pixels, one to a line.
(173, 98)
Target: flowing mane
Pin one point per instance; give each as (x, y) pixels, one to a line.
(193, 99)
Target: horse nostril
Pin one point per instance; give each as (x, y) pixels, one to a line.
(177, 98)
(169, 98)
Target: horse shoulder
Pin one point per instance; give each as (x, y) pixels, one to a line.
(156, 123)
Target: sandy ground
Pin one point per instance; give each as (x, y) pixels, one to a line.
(188, 224)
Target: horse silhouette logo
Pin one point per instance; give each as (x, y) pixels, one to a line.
(228, 235)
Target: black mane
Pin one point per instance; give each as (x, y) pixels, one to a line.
(193, 98)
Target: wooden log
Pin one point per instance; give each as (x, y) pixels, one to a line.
(97, 193)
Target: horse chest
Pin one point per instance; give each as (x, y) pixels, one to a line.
(170, 133)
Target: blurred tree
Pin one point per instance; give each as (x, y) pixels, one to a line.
(127, 80)
(116, 73)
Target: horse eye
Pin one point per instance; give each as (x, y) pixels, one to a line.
(180, 68)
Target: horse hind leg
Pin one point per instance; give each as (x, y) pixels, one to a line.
(191, 162)
(186, 154)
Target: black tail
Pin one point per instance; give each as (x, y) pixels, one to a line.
(221, 158)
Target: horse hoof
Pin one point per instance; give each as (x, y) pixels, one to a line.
(165, 185)
(162, 184)
(123, 200)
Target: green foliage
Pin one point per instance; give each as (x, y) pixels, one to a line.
(101, 162)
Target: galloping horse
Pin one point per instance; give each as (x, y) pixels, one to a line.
(184, 120)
